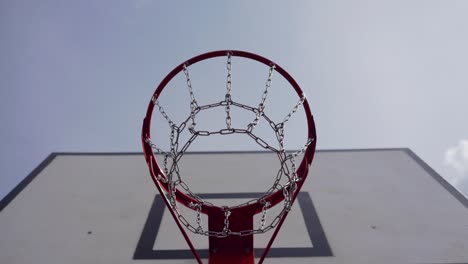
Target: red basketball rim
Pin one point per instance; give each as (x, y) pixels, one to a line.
(275, 197)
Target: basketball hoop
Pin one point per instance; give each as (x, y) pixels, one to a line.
(230, 228)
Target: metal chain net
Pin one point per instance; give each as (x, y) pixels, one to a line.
(174, 180)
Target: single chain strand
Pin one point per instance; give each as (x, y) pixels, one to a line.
(197, 208)
(294, 110)
(163, 113)
(193, 102)
(227, 213)
(228, 92)
(265, 210)
(261, 106)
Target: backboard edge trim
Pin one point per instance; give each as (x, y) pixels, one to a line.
(26, 181)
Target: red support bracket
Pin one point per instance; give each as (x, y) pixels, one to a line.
(231, 249)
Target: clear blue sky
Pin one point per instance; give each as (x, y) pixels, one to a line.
(77, 75)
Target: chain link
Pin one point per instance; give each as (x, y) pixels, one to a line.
(172, 175)
(228, 92)
(280, 136)
(163, 113)
(266, 205)
(227, 213)
(294, 110)
(197, 208)
(193, 101)
(261, 106)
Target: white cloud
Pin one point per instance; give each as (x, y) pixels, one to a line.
(457, 158)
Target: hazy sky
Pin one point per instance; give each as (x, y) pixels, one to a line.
(78, 75)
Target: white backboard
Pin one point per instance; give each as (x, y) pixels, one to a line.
(357, 206)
